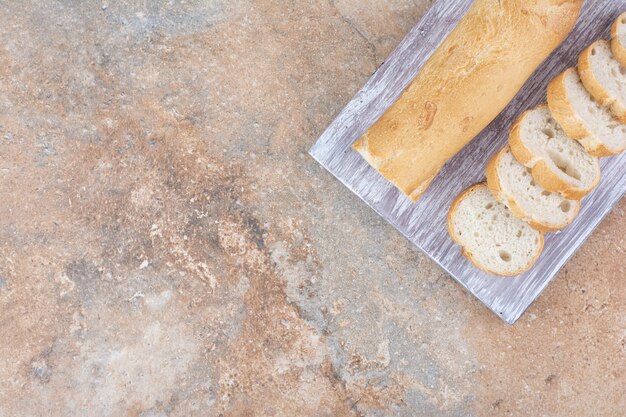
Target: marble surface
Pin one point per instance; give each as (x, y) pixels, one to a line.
(168, 248)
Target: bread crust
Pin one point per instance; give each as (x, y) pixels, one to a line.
(618, 49)
(465, 84)
(451, 213)
(594, 86)
(493, 182)
(562, 109)
(523, 155)
(550, 181)
(565, 114)
(541, 172)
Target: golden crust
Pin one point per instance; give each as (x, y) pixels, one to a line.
(493, 182)
(617, 47)
(491, 172)
(468, 254)
(594, 86)
(441, 110)
(565, 114)
(602, 151)
(415, 195)
(562, 109)
(523, 155)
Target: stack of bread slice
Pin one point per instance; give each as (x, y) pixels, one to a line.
(535, 184)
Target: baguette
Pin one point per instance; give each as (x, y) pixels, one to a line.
(559, 164)
(489, 236)
(582, 118)
(466, 83)
(512, 184)
(604, 77)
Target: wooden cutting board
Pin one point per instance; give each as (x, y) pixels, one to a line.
(424, 223)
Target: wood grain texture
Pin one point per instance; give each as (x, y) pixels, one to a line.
(424, 223)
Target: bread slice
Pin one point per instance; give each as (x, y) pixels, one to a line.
(558, 163)
(618, 43)
(490, 236)
(512, 184)
(584, 119)
(604, 77)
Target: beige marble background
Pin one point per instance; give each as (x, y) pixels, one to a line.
(168, 248)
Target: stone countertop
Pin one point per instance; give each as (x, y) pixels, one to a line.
(168, 248)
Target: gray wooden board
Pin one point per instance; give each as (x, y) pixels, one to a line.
(424, 223)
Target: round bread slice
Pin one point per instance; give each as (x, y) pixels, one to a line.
(604, 77)
(558, 163)
(582, 118)
(490, 236)
(512, 184)
(618, 43)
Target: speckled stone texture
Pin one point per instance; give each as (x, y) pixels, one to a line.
(168, 248)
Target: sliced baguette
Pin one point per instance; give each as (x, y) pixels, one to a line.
(513, 185)
(618, 43)
(584, 119)
(490, 236)
(604, 77)
(558, 163)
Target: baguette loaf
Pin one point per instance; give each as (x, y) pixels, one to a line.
(490, 237)
(469, 79)
(582, 118)
(558, 163)
(618, 43)
(512, 184)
